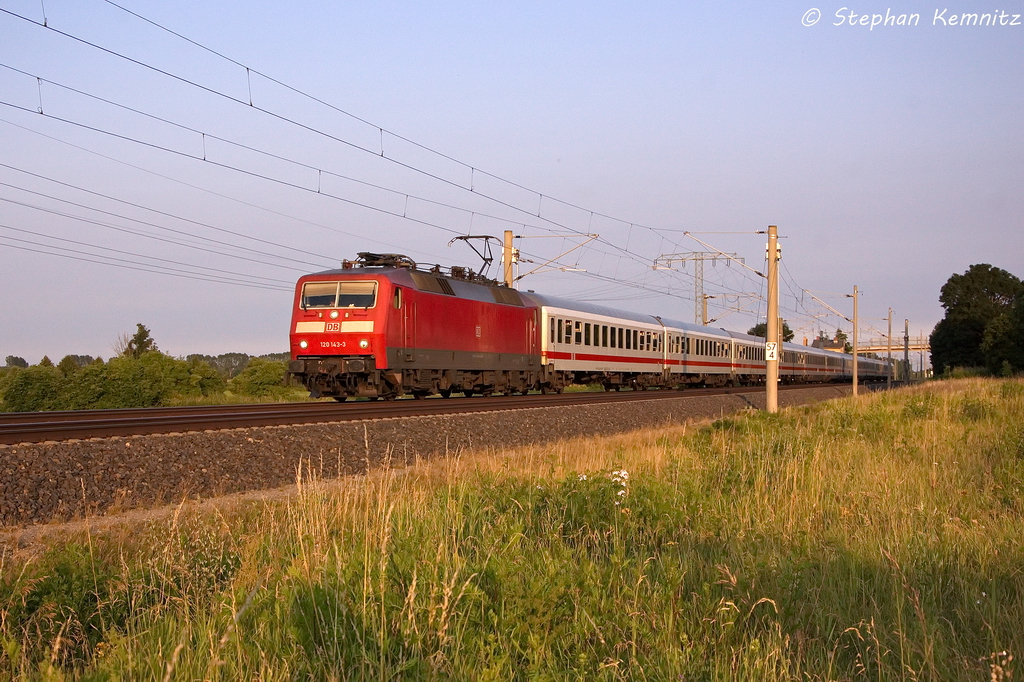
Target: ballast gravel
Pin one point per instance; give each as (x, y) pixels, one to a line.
(57, 481)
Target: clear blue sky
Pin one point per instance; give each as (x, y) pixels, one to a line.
(889, 157)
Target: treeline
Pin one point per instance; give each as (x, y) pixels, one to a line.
(984, 323)
(139, 376)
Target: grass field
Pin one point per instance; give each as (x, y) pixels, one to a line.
(879, 538)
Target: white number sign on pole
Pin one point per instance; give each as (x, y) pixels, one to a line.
(771, 350)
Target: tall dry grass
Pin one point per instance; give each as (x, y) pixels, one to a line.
(876, 538)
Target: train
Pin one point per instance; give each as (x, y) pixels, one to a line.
(381, 327)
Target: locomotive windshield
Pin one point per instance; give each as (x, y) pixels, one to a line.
(339, 294)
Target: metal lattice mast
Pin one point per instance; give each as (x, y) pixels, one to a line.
(665, 262)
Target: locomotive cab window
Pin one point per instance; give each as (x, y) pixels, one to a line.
(398, 298)
(339, 294)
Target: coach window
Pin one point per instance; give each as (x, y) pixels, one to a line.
(578, 329)
(568, 332)
(611, 333)
(398, 298)
(551, 325)
(561, 330)
(586, 334)
(604, 335)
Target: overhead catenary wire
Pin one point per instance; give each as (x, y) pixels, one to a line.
(129, 265)
(349, 143)
(126, 230)
(473, 170)
(149, 224)
(238, 169)
(239, 145)
(382, 130)
(183, 183)
(139, 255)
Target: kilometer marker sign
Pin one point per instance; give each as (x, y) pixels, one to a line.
(771, 350)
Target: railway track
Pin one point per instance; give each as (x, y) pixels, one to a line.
(35, 427)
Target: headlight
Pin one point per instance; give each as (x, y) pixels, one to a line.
(334, 314)
(364, 344)
(303, 344)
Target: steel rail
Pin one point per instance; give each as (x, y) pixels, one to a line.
(33, 427)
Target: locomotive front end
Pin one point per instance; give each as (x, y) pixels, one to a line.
(338, 333)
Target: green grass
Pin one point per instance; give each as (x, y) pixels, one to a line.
(876, 538)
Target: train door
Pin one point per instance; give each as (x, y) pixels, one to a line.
(409, 329)
(531, 336)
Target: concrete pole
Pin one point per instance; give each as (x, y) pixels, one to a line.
(906, 350)
(773, 350)
(698, 288)
(856, 321)
(506, 258)
(704, 311)
(888, 353)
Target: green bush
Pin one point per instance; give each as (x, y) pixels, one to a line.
(147, 381)
(204, 378)
(35, 388)
(261, 378)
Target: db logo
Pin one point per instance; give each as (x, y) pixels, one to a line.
(478, 331)
(333, 327)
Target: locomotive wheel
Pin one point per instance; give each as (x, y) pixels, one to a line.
(341, 398)
(374, 397)
(445, 392)
(468, 392)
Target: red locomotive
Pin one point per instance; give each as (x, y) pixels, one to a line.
(380, 328)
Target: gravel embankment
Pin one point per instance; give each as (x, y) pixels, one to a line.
(56, 481)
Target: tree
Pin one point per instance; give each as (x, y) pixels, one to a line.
(141, 342)
(842, 338)
(761, 329)
(15, 361)
(973, 301)
(68, 365)
(1002, 344)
